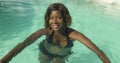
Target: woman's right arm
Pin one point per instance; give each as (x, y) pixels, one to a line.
(22, 45)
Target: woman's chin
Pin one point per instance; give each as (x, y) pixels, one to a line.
(56, 29)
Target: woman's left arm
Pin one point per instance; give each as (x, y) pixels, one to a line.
(83, 39)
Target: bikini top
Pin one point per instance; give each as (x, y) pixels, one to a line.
(67, 32)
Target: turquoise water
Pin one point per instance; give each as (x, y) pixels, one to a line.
(99, 22)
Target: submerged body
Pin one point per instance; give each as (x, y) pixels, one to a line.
(56, 47)
(54, 50)
(50, 48)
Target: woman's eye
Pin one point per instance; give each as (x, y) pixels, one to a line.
(55, 17)
(59, 17)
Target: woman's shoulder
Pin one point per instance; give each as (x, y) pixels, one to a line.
(69, 30)
(73, 32)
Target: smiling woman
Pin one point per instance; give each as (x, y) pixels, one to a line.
(56, 20)
(99, 22)
(59, 38)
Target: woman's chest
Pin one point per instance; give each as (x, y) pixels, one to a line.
(56, 49)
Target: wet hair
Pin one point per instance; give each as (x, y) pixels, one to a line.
(61, 8)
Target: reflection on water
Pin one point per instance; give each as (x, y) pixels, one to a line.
(14, 18)
(110, 6)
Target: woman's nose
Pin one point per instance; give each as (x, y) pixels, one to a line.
(55, 20)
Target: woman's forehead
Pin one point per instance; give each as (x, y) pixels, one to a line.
(55, 12)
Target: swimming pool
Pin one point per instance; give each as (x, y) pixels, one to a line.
(98, 21)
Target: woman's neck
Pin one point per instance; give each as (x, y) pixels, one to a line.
(60, 31)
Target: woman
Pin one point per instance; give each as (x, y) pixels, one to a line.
(59, 38)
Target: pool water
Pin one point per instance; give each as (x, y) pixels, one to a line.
(99, 21)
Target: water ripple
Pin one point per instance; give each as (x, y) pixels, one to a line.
(14, 18)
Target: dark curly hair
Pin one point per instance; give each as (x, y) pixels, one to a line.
(64, 12)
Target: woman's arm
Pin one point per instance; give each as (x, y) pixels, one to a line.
(81, 38)
(22, 45)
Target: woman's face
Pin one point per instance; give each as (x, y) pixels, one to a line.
(56, 20)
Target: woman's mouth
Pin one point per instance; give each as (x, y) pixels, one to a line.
(55, 26)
